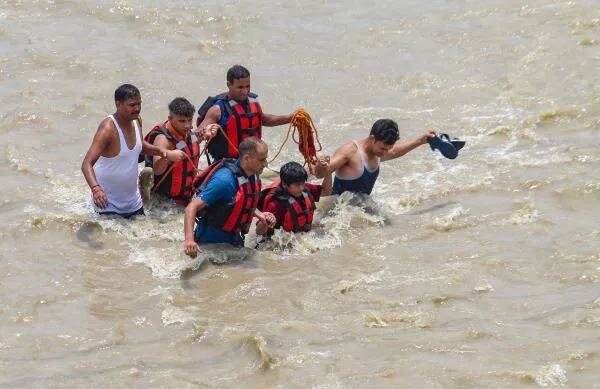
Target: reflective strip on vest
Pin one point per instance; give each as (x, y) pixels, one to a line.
(242, 124)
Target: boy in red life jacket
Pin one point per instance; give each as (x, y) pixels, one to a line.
(238, 112)
(173, 134)
(292, 200)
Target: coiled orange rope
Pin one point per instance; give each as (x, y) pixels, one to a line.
(307, 137)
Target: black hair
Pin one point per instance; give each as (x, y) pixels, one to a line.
(386, 131)
(237, 72)
(125, 92)
(292, 173)
(249, 146)
(181, 107)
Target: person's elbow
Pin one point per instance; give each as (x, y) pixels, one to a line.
(192, 208)
(86, 165)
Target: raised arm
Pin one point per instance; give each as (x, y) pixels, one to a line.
(190, 246)
(399, 149)
(327, 184)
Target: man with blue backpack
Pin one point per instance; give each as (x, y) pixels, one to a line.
(237, 112)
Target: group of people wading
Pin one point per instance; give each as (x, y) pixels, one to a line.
(222, 200)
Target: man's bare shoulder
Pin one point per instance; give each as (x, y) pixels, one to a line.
(215, 111)
(161, 141)
(107, 127)
(213, 115)
(346, 149)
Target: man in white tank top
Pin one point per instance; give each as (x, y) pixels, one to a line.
(110, 165)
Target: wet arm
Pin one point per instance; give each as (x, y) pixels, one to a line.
(100, 143)
(160, 164)
(261, 226)
(266, 220)
(275, 120)
(190, 246)
(326, 185)
(399, 149)
(191, 210)
(161, 152)
(213, 115)
(150, 149)
(339, 159)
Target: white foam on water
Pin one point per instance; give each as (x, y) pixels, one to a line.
(337, 218)
(174, 315)
(171, 262)
(483, 288)
(32, 209)
(457, 218)
(397, 112)
(332, 382)
(245, 291)
(290, 244)
(525, 214)
(345, 286)
(223, 253)
(531, 158)
(431, 179)
(551, 375)
(73, 196)
(159, 291)
(166, 263)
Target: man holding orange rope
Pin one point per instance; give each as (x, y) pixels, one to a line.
(239, 114)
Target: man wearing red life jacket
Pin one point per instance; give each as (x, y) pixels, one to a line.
(238, 112)
(175, 133)
(226, 200)
(291, 200)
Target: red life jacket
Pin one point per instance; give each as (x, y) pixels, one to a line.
(235, 216)
(299, 211)
(240, 124)
(179, 184)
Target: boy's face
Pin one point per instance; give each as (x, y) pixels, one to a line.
(181, 124)
(294, 189)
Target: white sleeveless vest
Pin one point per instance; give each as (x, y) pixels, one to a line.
(118, 175)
